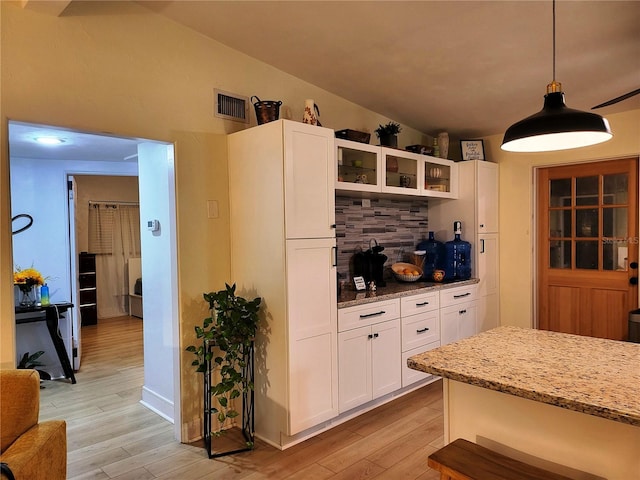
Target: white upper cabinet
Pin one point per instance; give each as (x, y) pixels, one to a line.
(367, 168)
(487, 196)
(358, 166)
(309, 172)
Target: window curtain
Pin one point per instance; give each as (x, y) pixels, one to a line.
(114, 236)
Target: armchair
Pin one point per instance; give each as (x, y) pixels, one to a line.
(32, 450)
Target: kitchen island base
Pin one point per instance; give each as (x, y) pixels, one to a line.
(549, 434)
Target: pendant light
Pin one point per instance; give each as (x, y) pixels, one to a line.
(556, 127)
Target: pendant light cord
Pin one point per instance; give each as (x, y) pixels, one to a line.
(554, 40)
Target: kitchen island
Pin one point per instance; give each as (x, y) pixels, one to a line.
(566, 399)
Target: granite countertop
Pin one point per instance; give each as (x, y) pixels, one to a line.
(349, 297)
(585, 374)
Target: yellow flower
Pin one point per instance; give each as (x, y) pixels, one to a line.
(28, 276)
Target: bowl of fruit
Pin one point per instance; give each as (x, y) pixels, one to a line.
(406, 272)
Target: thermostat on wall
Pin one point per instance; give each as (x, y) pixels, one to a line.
(153, 225)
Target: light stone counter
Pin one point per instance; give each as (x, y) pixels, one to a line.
(350, 297)
(588, 375)
(567, 403)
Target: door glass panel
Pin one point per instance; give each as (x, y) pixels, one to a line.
(437, 177)
(560, 195)
(614, 254)
(587, 190)
(587, 255)
(587, 222)
(614, 222)
(615, 189)
(357, 166)
(401, 172)
(560, 223)
(560, 254)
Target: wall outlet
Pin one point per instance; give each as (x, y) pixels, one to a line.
(366, 203)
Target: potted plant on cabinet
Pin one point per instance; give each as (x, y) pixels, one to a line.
(226, 354)
(388, 134)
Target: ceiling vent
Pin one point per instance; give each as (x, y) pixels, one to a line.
(231, 106)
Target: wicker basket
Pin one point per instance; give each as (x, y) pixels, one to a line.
(354, 135)
(397, 269)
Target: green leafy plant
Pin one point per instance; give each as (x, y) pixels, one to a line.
(231, 327)
(391, 128)
(31, 361)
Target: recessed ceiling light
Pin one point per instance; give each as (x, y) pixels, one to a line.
(49, 140)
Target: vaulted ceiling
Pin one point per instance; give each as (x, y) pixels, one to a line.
(471, 68)
(468, 67)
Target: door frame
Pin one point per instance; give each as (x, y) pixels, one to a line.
(534, 223)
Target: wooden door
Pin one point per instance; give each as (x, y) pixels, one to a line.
(587, 244)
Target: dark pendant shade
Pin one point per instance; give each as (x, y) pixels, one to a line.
(556, 127)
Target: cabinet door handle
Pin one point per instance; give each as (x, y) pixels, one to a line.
(462, 295)
(335, 256)
(422, 330)
(482, 225)
(333, 225)
(369, 336)
(381, 312)
(462, 312)
(422, 304)
(375, 335)
(482, 245)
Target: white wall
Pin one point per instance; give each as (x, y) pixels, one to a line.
(159, 281)
(39, 188)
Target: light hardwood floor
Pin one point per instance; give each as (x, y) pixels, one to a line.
(111, 436)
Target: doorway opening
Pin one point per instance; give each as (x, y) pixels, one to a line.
(39, 175)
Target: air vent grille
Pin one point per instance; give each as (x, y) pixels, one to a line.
(231, 106)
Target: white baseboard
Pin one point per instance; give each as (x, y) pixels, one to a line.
(157, 404)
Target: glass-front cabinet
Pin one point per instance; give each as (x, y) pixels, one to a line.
(369, 168)
(440, 178)
(358, 166)
(401, 171)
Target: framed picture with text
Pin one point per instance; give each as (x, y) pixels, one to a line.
(472, 149)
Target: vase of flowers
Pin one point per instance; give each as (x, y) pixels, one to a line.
(27, 280)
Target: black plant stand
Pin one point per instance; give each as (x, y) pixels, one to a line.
(248, 418)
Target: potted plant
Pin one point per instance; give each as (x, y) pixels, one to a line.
(230, 330)
(31, 362)
(388, 134)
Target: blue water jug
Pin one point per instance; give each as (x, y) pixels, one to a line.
(434, 258)
(458, 253)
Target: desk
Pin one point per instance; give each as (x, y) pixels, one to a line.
(50, 315)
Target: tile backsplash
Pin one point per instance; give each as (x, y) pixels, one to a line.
(397, 225)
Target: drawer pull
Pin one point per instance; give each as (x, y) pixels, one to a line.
(422, 304)
(422, 330)
(462, 312)
(462, 295)
(381, 312)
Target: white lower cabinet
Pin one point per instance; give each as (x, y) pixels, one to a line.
(458, 313)
(368, 353)
(420, 317)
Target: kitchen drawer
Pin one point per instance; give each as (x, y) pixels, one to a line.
(454, 296)
(368, 314)
(409, 375)
(421, 329)
(419, 303)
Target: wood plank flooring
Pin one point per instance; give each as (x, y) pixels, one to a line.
(111, 436)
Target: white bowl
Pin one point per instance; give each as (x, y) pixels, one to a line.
(397, 269)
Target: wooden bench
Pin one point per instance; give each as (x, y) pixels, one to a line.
(465, 460)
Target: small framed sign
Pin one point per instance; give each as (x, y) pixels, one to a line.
(359, 283)
(472, 149)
